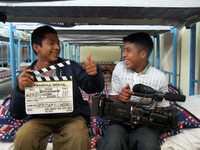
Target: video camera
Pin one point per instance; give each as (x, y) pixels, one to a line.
(135, 114)
(148, 92)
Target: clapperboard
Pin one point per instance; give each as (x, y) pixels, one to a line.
(50, 94)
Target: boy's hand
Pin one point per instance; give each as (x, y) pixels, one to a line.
(25, 79)
(90, 66)
(125, 94)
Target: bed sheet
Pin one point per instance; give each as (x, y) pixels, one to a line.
(192, 104)
(188, 139)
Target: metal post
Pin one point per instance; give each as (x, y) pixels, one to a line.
(192, 59)
(121, 52)
(174, 57)
(19, 54)
(67, 50)
(151, 57)
(157, 51)
(8, 54)
(61, 50)
(77, 53)
(1, 55)
(74, 52)
(70, 51)
(31, 51)
(12, 55)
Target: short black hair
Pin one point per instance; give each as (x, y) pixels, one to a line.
(39, 34)
(142, 39)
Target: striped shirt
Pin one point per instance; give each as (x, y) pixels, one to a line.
(150, 76)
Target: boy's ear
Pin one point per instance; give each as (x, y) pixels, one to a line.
(144, 53)
(36, 47)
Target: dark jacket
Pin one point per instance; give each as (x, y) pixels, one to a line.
(80, 79)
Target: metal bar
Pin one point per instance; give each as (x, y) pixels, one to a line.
(28, 53)
(67, 50)
(12, 55)
(1, 55)
(121, 52)
(73, 56)
(77, 53)
(157, 51)
(192, 59)
(174, 56)
(31, 51)
(151, 57)
(18, 53)
(8, 56)
(70, 51)
(61, 50)
(64, 50)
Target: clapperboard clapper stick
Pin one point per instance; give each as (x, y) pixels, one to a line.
(38, 73)
(50, 95)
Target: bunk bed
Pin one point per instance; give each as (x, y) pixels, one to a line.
(71, 13)
(4, 73)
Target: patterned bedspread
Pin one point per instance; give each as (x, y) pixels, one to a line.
(9, 125)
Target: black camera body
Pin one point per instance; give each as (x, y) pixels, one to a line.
(135, 114)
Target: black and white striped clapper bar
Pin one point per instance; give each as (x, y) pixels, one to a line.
(38, 73)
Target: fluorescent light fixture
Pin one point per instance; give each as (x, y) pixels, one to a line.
(116, 27)
(108, 3)
(32, 26)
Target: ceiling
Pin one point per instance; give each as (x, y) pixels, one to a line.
(102, 15)
(78, 12)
